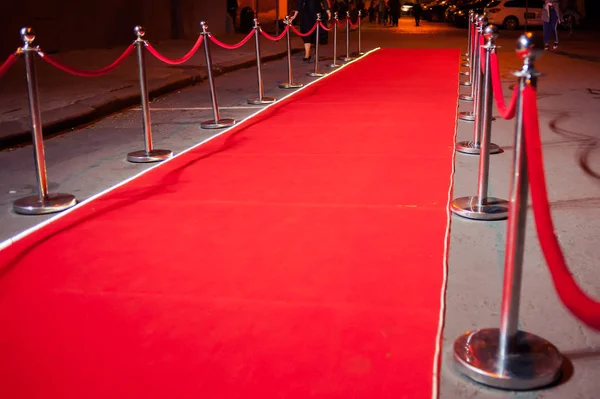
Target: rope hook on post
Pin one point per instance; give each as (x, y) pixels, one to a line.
(334, 64)
(216, 122)
(290, 83)
(149, 154)
(316, 72)
(261, 99)
(43, 202)
(506, 357)
(348, 58)
(482, 207)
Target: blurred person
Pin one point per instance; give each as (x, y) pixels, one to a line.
(417, 10)
(394, 11)
(551, 17)
(308, 10)
(232, 6)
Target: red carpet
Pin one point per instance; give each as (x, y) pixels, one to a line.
(301, 255)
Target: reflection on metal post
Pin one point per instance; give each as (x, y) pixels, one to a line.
(216, 122)
(348, 58)
(334, 64)
(290, 83)
(261, 99)
(149, 154)
(316, 72)
(470, 37)
(482, 207)
(507, 358)
(43, 202)
(360, 52)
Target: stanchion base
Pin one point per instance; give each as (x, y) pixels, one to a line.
(361, 53)
(290, 85)
(466, 64)
(259, 101)
(465, 97)
(152, 156)
(53, 203)
(465, 73)
(492, 209)
(468, 116)
(334, 65)
(220, 124)
(315, 74)
(465, 83)
(534, 364)
(348, 59)
(465, 54)
(473, 148)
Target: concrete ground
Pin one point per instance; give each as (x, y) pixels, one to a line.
(91, 158)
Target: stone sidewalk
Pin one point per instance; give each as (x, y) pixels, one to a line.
(67, 101)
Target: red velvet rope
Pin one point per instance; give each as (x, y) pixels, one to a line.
(275, 38)
(232, 46)
(340, 24)
(351, 24)
(296, 31)
(177, 61)
(572, 296)
(325, 27)
(92, 73)
(504, 111)
(10, 61)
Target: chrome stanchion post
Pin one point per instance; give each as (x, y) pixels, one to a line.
(360, 52)
(474, 147)
(482, 207)
(474, 57)
(316, 72)
(216, 122)
(43, 202)
(506, 357)
(261, 99)
(348, 58)
(290, 83)
(149, 154)
(469, 53)
(334, 64)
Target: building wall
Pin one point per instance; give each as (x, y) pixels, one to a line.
(63, 25)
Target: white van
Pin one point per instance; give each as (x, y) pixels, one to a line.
(511, 14)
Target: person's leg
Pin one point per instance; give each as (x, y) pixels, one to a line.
(546, 34)
(554, 23)
(306, 50)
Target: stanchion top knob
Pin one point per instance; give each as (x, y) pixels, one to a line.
(482, 20)
(335, 15)
(347, 13)
(525, 46)
(490, 32)
(318, 16)
(359, 13)
(28, 35)
(204, 26)
(139, 31)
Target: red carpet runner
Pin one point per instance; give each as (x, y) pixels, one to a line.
(302, 255)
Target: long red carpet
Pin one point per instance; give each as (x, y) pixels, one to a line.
(302, 255)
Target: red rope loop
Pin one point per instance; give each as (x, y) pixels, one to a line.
(573, 297)
(340, 24)
(232, 46)
(325, 27)
(177, 61)
(351, 24)
(296, 31)
(504, 111)
(275, 38)
(90, 73)
(6, 65)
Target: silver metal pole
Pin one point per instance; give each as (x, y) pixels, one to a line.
(472, 64)
(216, 122)
(348, 58)
(43, 202)
(149, 154)
(334, 64)
(360, 52)
(290, 83)
(506, 357)
(316, 72)
(261, 99)
(482, 207)
(469, 116)
(468, 54)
